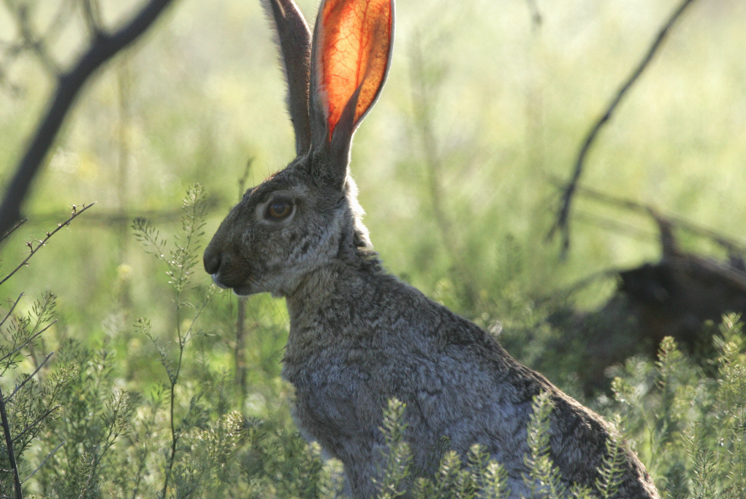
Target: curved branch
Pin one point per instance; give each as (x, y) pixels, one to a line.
(103, 48)
(563, 218)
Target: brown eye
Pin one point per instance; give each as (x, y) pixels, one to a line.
(279, 210)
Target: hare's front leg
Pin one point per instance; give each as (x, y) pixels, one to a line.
(335, 406)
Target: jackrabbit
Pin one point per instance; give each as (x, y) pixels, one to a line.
(359, 336)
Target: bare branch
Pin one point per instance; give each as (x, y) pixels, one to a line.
(32, 338)
(726, 242)
(103, 48)
(615, 226)
(29, 377)
(30, 41)
(64, 12)
(42, 463)
(563, 218)
(7, 234)
(36, 422)
(40, 244)
(13, 307)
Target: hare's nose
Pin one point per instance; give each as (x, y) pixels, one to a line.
(211, 261)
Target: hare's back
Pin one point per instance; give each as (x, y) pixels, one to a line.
(464, 386)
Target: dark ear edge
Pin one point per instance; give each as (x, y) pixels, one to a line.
(340, 144)
(294, 39)
(328, 162)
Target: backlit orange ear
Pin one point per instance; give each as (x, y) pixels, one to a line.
(354, 45)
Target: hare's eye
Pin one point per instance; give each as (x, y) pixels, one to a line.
(279, 210)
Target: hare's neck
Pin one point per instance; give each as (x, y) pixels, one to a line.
(320, 307)
(312, 292)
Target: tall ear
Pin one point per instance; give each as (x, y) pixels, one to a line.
(351, 57)
(295, 43)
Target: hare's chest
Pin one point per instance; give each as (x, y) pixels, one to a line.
(333, 403)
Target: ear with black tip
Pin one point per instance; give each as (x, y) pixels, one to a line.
(350, 59)
(295, 44)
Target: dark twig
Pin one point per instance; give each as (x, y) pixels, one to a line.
(239, 355)
(65, 10)
(33, 249)
(41, 364)
(10, 51)
(32, 338)
(42, 463)
(36, 422)
(7, 234)
(9, 447)
(29, 38)
(563, 218)
(724, 241)
(615, 226)
(13, 307)
(103, 48)
(612, 273)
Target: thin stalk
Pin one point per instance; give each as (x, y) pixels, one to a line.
(173, 380)
(124, 84)
(240, 353)
(422, 99)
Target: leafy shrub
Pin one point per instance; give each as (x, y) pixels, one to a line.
(86, 424)
(687, 421)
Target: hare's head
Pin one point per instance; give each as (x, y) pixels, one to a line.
(307, 215)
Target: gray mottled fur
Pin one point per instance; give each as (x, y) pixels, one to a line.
(359, 337)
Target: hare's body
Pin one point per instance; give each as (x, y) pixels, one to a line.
(358, 336)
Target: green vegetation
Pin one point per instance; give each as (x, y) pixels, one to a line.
(186, 434)
(455, 166)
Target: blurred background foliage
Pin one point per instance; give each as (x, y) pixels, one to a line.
(486, 105)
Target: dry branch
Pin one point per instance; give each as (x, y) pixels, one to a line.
(11, 231)
(103, 47)
(724, 241)
(43, 462)
(563, 216)
(20, 385)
